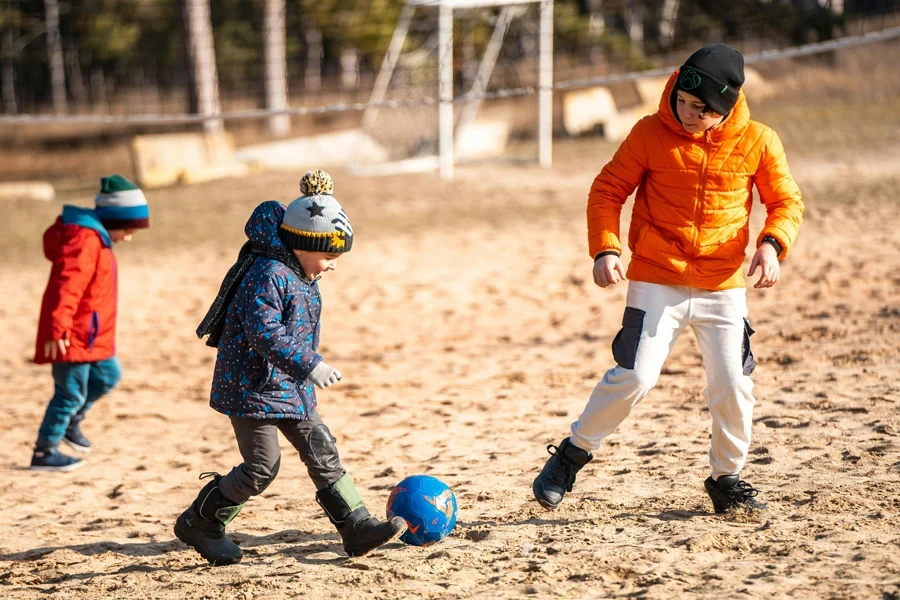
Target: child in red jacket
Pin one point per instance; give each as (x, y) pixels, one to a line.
(77, 328)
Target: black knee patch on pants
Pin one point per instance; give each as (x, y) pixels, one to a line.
(625, 345)
(259, 482)
(749, 363)
(322, 449)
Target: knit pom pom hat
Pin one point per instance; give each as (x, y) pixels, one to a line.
(121, 204)
(315, 222)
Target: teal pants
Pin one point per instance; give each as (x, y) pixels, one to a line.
(76, 386)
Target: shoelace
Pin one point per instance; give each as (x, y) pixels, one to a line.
(564, 475)
(742, 490)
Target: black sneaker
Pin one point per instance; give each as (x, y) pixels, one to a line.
(731, 493)
(75, 438)
(51, 459)
(559, 472)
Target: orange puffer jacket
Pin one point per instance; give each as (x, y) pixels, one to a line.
(689, 225)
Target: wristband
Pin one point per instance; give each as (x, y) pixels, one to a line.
(770, 240)
(606, 253)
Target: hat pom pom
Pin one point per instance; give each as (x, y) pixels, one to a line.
(316, 183)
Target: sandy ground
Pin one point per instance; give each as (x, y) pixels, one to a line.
(470, 335)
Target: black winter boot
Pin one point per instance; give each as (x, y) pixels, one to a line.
(202, 525)
(730, 492)
(559, 472)
(359, 531)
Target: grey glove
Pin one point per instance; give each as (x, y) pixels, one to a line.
(324, 376)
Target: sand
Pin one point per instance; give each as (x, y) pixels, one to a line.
(470, 335)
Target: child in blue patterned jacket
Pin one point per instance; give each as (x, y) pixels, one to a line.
(265, 324)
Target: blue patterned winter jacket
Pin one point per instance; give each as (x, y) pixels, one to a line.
(268, 345)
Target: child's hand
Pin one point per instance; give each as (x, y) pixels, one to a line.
(54, 347)
(608, 270)
(324, 376)
(766, 259)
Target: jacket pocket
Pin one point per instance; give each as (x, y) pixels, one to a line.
(268, 375)
(640, 237)
(746, 352)
(93, 330)
(625, 345)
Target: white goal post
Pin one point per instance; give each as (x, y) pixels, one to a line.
(445, 159)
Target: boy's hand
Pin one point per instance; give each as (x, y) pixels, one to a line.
(324, 376)
(767, 260)
(54, 347)
(608, 270)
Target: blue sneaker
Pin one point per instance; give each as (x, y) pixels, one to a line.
(51, 459)
(75, 438)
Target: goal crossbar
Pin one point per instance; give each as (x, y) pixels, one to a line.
(446, 158)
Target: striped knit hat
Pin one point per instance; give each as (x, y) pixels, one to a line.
(315, 221)
(121, 204)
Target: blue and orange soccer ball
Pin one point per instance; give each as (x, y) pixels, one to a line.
(427, 505)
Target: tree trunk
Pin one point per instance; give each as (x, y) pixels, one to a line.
(202, 60)
(667, 18)
(349, 68)
(98, 88)
(634, 19)
(274, 54)
(76, 81)
(9, 75)
(312, 76)
(55, 55)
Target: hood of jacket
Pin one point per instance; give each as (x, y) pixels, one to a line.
(71, 216)
(262, 226)
(735, 123)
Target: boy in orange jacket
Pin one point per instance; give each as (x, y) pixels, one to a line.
(77, 328)
(693, 163)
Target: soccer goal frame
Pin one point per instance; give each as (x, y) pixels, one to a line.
(445, 160)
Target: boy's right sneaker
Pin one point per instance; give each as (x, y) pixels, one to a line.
(51, 459)
(729, 492)
(558, 474)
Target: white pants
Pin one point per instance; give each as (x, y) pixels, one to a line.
(719, 322)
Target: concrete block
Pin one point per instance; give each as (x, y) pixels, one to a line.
(330, 149)
(168, 159)
(482, 139)
(40, 191)
(651, 90)
(755, 86)
(583, 110)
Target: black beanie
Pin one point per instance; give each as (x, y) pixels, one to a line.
(715, 74)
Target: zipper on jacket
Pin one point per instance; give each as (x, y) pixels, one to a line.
(701, 193)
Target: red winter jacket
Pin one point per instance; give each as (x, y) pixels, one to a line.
(80, 300)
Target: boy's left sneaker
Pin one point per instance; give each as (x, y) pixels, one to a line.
(729, 493)
(76, 439)
(51, 459)
(558, 474)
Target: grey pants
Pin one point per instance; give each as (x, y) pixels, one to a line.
(258, 443)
